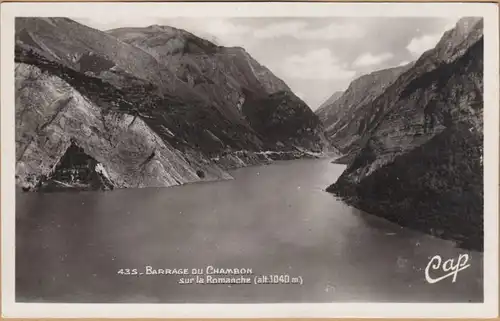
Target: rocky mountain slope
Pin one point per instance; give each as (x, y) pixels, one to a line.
(233, 81)
(137, 117)
(421, 161)
(347, 118)
(59, 115)
(321, 111)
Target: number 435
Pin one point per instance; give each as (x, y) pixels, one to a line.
(127, 272)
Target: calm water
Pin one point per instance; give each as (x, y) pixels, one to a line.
(273, 219)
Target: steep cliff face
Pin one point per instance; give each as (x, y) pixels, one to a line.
(148, 117)
(421, 163)
(346, 119)
(54, 121)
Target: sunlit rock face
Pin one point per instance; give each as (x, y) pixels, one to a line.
(145, 108)
(420, 164)
(54, 120)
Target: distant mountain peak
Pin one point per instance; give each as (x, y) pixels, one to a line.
(466, 24)
(336, 95)
(454, 42)
(166, 28)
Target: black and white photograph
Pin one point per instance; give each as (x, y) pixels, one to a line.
(235, 153)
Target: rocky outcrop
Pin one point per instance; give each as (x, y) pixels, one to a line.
(77, 171)
(51, 116)
(421, 162)
(148, 117)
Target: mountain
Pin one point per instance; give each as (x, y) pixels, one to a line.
(321, 109)
(96, 53)
(232, 80)
(421, 161)
(96, 110)
(346, 118)
(63, 114)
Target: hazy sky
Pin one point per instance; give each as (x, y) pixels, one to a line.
(314, 56)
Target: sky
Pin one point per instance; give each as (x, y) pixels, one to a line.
(314, 56)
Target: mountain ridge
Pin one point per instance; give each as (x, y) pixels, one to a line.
(195, 125)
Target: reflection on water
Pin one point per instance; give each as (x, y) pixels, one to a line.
(274, 219)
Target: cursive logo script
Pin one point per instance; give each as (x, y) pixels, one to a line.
(449, 267)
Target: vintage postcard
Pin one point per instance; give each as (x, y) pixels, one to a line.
(249, 159)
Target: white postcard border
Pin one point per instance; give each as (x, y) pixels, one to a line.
(489, 308)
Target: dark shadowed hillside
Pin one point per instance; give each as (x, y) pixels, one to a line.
(421, 163)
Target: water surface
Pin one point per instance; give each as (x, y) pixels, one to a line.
(273, 219)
